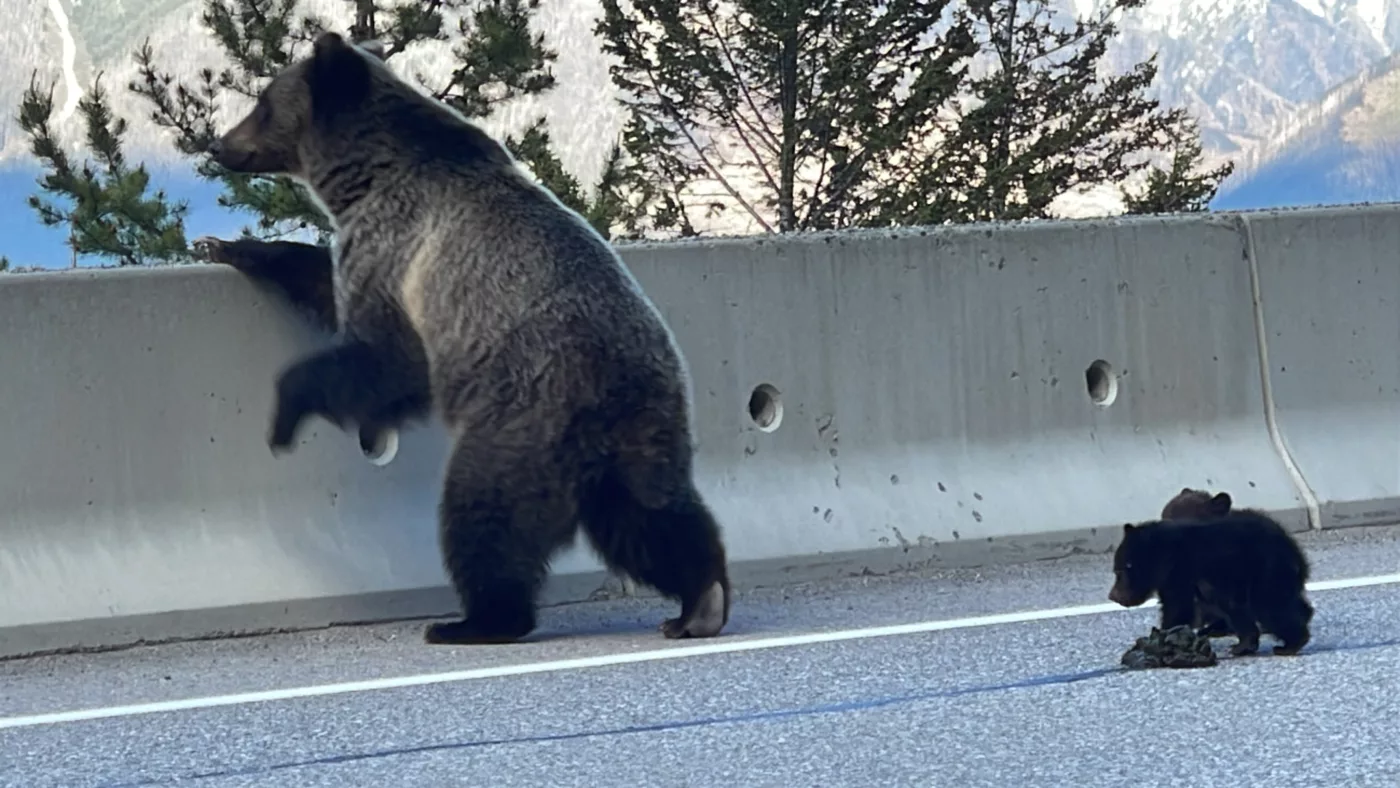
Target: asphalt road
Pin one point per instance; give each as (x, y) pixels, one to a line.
(1021, 702)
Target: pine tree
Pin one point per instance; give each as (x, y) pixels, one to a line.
(499, 59)
(111, 215)
(819, 109)
(1043, 123)
(1181, 187)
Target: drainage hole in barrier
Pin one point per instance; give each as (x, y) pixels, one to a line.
(1102, 383)
(766, 407)
(381, 448)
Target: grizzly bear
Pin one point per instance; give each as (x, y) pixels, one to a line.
(465, 288)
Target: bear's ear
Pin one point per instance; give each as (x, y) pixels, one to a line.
(1127, 527)
(338, 75)
(328, 45)
(1221, 503)
(1185, 491)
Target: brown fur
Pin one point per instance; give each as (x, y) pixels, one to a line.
(464, 289)
(1190, 504)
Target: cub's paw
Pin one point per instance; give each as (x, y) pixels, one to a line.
(1215, 629)
(1292, 648)
(1244, 650)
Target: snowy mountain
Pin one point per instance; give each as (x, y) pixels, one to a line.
(1344, 149)
(1250, 70)
(1244, 67)
(71, 41)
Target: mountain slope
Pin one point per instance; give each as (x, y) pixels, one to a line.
(108, 32)
(28, 39)
(1243, 66)
(1344, 150)
(1247, 69)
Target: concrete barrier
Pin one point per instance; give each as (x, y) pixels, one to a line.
(1330, 283)
(141, 500)
(933, 385)
(864, 402)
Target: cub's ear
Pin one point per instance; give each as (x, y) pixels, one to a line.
(1221, 503)
(1127, 527)
(337, 76)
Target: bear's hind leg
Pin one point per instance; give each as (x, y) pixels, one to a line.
(500, 521)
(1240, 617)
(1209, 620)
(673, 545)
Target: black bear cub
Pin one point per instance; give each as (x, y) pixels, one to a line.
(1240, 565)
(1190, 504)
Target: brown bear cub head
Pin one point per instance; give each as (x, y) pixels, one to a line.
(1192, 504)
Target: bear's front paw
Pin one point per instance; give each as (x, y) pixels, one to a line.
(210, 249)
(279, 438)
(292, 409)
(291, 412)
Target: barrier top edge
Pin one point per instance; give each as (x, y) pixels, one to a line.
(1222, 219)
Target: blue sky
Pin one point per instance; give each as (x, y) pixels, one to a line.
(26, 242)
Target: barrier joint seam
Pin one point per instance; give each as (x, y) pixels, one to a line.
(1295, 473)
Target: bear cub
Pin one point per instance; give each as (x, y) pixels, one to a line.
(1240, 565)
(463, 289)
(1190, 504)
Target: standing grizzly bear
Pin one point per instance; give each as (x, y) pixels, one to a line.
(1241, 566)
(464, 289)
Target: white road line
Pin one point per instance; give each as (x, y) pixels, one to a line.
(608, 660)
